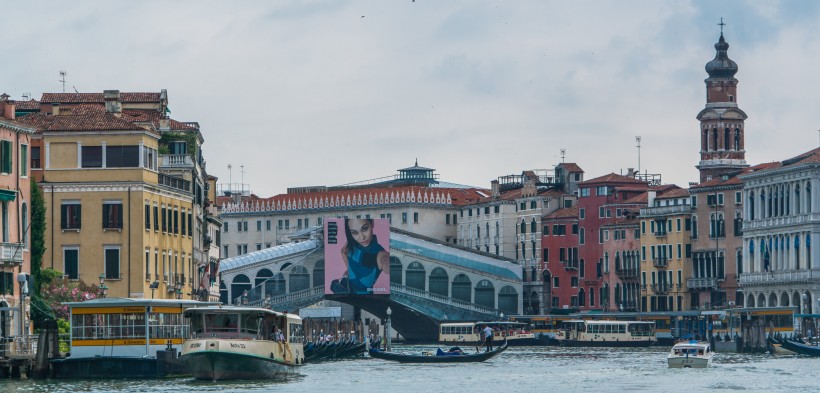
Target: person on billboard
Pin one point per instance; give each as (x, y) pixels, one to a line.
(364, 258)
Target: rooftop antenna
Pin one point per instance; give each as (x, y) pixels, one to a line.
(230, 177)
(638, 141)
(27, 96)
(242, 178)
(563, 154)
(62, 78)
(75, 89)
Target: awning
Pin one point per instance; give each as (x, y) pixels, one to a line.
(7, 195)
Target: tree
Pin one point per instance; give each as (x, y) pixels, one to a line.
(37, 233)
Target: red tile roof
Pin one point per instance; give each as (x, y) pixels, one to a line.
(567, 212)
(735, 179)
(27, 105)
(674, 193)
(86, 122)
(613, 178)
(571, 167)
(79, 98)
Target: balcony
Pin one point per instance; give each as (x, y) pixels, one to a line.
(665, 210)
(627, 272)
(660, 234)
(661, 288)
(175, 182)
(660, 262)
(571, 264)
(780, 277)
(176, 161)
(702, 283)
(11, 253)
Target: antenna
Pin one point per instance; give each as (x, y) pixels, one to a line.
(638, 141)
(27, 96)
(242, 178)
(563, 154)
(75, 89)
(62, 78)
(230, 181)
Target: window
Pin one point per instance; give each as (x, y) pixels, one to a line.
(149, 158)
(446, 218)
(176, 221)
(258, 246)
(584, 192)
(496, 209)
(267, 225)
(738, 197)
(122, 156)
(91, 157)
(147, 264)
(533, 204)
(183, 222)
(112, 263)
(582, 213)
(416, 217)
(70, 217)
(156, 217)
(404, 218)
(147, 216)
(225, 251)
(694, 201)
(164, 219)
(601, 212)
(602, 190)
(6, 157)
(258, 225)
(23, 160)
(112, 215)
(35, 157)
(71, 262)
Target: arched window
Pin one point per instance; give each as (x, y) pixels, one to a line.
(739, 262)
(523, 227)
(714, 139)
(416, 276)
(797, 208)
(319, 274)
(591, 297)
(462, 288)
(299, 278)
(726, 141)
(582, 299)
(705, 140)
(395, 270)
(439, 282)
(223, 292)
(276, 285)
(239, 285)
(737, 139)
(532, 226)
(485, 294)
(752, 205)
(808, 197)
(508, 300)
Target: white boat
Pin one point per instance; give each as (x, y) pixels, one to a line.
(230, 342)
(690, 354)
(584, 333)
(472, 333)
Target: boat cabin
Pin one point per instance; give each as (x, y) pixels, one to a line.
(244, 323)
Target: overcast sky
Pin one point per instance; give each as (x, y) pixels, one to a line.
(330, 92)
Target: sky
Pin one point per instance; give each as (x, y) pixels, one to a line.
(321, 92)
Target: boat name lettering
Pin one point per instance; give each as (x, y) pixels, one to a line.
(235, 345)
(133, 309)
(196, 345)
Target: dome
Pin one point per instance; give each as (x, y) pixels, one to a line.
(722, 66)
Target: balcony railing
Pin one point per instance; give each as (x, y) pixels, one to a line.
(11, 253)
(660, 233)
(780, 277)
(176, 161)
(702, 283)
(664, 210)
(661, 262)
(661, 288)
(627, 272)
(571, 264)
(175, 182)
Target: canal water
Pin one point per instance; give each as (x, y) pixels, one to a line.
(527, 369)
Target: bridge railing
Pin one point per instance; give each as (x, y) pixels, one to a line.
(317, 291)
(454, 265)
(441, 299)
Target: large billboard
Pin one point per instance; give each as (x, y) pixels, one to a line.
(357, 256)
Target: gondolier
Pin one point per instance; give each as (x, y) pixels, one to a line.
(488, 337)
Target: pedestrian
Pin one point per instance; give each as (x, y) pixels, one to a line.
(488, 337)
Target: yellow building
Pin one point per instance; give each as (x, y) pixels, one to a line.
(111, 212)
(665, 250)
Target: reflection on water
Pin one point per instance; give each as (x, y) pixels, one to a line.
(517, 369)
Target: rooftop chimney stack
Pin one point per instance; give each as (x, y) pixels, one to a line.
(113, 104)
(494, 186)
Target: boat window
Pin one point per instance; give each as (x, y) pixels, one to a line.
(295, 333)
(221, 322)
(250, 323)
(107, 326)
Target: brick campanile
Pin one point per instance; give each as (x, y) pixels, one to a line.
(722, 127)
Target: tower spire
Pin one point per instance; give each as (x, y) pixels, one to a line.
(721, 24)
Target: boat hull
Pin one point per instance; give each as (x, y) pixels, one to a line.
(215, 366)
(469, 358)
(689, 362)
(517, 342)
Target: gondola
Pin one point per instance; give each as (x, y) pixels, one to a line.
(441, 357)
(799, 348)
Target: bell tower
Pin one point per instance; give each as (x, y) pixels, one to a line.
(722, 150)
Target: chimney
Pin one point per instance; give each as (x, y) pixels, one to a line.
(650, 198)
(8, 108)
(165, 124)
(630, 172)
(113, 104)
(55, 109)
(494, 187)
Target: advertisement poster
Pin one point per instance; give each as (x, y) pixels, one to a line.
(357, 256)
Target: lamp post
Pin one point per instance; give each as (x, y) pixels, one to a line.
(154, 285)
(387, 344)
(22, 279)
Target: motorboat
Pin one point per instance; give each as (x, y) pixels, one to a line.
(690, 354)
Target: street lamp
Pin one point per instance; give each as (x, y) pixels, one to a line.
(387, 342)
(154, 285)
